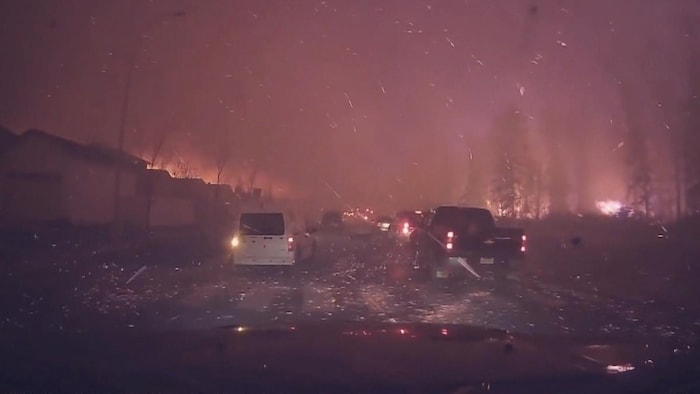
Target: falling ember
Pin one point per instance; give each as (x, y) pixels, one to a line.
(333, 190)
(348, 99)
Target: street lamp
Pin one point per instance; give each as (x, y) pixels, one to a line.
(117, 225)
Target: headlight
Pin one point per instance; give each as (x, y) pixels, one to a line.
(234, 242)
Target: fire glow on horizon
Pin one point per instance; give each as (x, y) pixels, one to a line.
(609, 207)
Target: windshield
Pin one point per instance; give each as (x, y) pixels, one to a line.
(149, 148)
(262, 224)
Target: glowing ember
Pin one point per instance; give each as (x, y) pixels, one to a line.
(609, 207)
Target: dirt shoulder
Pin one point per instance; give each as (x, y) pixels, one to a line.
(619, 260)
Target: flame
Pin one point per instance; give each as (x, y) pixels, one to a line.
(609, 207)
(199, 167)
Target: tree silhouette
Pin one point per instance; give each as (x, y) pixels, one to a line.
(514, 186)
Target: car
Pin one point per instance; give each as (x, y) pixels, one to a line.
(270, 237)
(404, 223)
(384, 223)
(464, 241)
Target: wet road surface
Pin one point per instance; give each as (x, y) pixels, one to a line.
(359, 275)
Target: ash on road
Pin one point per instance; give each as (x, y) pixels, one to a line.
(354, 276)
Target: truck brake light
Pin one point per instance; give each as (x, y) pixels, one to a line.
(522, 243)
(449, 244)
(290, 244)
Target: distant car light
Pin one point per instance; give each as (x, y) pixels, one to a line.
(235, 242)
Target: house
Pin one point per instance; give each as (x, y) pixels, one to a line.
(158, 205)
(48, 179)
(221, 192)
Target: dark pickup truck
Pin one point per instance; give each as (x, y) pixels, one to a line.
(463, 241)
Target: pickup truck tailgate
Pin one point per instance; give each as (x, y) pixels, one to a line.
(510, 240)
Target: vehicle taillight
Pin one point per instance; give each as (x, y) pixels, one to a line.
(449, 242)
(406, 228)
(523, 241)
(290, 244)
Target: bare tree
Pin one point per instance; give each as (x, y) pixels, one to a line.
(668, 109)
(220, 165)
(151, 141)
(639, 179)
(252, 177)
(683, 136)
(504, 189)
(474, 190)
(514, 183)
(690, 139)
(639, 187)
(239, 189)
(552, 126)
(156, 148)
(153, 147)
(184, 169)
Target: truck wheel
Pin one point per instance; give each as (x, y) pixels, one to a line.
(500, 274)
(420, 271)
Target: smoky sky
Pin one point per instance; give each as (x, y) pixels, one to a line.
(371, 102)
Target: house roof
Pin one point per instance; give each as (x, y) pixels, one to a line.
(94, 153)
(222, 187)
(158, 175)
(191, 182)
(7, 137)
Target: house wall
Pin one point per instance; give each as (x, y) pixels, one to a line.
(31, 183)
(84, 197)
(31, 198)
(89, 192)
(169, 211)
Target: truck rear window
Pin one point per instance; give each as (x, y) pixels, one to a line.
(461, 219)
(262, 224)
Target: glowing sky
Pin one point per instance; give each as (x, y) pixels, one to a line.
(374, 101)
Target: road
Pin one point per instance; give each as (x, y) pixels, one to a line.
(356, 275)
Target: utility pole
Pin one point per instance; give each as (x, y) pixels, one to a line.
(117, 225)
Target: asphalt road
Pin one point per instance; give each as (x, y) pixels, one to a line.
(357, 274)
